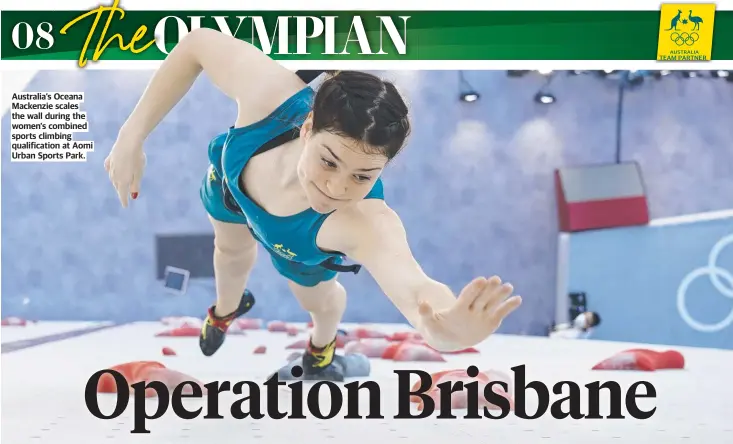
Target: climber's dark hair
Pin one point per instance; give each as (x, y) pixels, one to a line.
(362, 107)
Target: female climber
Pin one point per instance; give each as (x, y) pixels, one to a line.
(299, 173)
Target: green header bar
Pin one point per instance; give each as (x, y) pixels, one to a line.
(350, 35)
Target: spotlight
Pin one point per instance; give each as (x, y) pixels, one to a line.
(545, 72)
(468, 93)
(635, 78)
(721, 74)
(470, 96)
(544, 98)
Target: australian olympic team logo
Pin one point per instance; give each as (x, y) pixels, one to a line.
(686, 32)
(684, 38)
(681, 20)
(722, 281)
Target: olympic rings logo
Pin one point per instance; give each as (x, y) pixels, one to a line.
(722, 281)
(684, 38)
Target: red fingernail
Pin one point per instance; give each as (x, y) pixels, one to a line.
(134, 195)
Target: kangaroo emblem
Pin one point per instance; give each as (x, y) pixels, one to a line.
(675, 19)
(696, 20)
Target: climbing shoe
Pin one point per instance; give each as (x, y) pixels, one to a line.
(319, 364)
(214, 330)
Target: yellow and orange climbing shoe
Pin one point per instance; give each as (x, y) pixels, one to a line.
(318, 363)
(214, 330)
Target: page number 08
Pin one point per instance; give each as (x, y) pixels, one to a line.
(24, 35)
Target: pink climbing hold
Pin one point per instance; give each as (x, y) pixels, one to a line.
(371, 348)
(277, 326)
(188, 332)
(182, 321)
(249, 323)
(405, 336)
(260, 350)
(172, 379)
(14, 322)
(366, 333)
(408, 351)
(459, 399)
(301, 344)
(458, 352)
(643, 360)
(390, 350)
(181, 332)
(147, 371)
(167, 351)
(496, 375)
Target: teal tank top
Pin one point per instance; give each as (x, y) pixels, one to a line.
(291, 237)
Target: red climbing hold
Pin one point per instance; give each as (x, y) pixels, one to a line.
(190, 332)
(277, 326)
(14, 322)
(405, 336)
(167, 351)
(371, 348)
(459, 399)
(366, 333)
(643, 359)
(147, 371)
(249, 323)
(408, 351)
